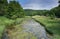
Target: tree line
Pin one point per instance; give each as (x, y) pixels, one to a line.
(11, 10)
(54, 12)
(30, 12)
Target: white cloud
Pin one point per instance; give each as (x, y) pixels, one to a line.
(39, 4)
(32, 6)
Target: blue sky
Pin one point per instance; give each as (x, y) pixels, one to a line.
(38, 4)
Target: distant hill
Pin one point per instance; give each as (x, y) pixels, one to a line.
(30, 12)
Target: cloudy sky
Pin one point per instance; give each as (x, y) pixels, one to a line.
(38, 4)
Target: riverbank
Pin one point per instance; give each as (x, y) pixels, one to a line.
(28, 29)
(52, 25)
(3, 22)
(7, 23)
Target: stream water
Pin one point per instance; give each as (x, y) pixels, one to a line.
(34, 27)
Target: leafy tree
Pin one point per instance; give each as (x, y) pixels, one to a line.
(15, 10)
(56, 10)
(3, 7)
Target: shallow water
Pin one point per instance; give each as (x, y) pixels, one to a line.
(35, 28)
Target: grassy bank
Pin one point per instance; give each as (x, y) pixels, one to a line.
(6, 22)
(52, 25)
(3, 22)
(17, 31)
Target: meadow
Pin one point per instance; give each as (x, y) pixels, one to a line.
(7, 23)
(52, 25)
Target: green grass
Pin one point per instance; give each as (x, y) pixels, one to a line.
(15, 32)
(18, 33)
(3, 22)
(51, 24)
(6, 22)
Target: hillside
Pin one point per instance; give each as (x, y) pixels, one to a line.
(30, 12)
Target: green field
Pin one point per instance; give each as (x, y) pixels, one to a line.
(51, 24)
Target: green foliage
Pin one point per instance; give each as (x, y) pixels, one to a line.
(56, 11)
(3, 22)
(11, 10)
(15, 10)
(29, 12)
(6, 23)
(3, 7)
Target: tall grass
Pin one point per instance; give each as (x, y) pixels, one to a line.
(18, 32)
(3, 22)
(51, 24)
(6, 23)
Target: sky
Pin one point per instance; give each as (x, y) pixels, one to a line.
(38, 4)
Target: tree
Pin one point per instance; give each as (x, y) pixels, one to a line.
(15, 10)
(3, 7)
(56, 10)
